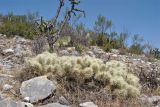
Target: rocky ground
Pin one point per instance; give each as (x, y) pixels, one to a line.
(44, 92)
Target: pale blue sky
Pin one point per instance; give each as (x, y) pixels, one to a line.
(136, 16)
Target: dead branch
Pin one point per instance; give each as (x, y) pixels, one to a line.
(49, 29)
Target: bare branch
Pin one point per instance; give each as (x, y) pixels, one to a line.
(61, 4)
(49, 30)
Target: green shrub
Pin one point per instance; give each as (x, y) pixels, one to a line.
(113, 74)
(155, 53)
(63, 41)
(80, 48)
(107, 47)
(136, 49)
(20, 25)
(92, 42)
(100, 40)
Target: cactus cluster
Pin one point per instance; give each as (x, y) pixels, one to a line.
(112, 74)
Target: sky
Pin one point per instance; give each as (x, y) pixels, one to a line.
(134, 16)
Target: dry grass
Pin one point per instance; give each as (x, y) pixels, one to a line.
(25, 74)
(75, 94)
(151, 92)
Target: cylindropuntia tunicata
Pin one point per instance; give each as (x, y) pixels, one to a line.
(112, 74)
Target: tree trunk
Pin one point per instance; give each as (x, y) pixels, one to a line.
(50, 40)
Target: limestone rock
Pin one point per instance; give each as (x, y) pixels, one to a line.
(10, 103)
(150, 101)
(2, 97)
(54, 105)
(97, 51)
(62, 100)
(37, 88)
(115, 51)
(90, 53)
(8, 51)
(7, 87)
(64, 52)
(88, 104)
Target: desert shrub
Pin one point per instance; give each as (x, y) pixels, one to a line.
(137, 46)
(136, 49)
(112, 75)
(105, 42)
(107, 47)
(100, 40)
(63, 41)
(92, 42)
(21, 25)
(156, 53)
(80, 48)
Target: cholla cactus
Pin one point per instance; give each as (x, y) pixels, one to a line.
(122, 82)
(112, 74)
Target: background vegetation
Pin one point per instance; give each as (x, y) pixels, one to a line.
(21, 25)
(79, 35)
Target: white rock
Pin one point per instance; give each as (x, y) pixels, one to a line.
(88, 104)
(54, 105)
(10, 103)
(7, 87)
(37, 89)
(8, 51)
(115, 51)
(62, 100)
(150, 101)
(26, 99)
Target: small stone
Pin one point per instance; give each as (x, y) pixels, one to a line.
(24, 104)
(26, 99)
(75, 53)
(90, 53)
(62, 100)
(114, 56)
(8, 51)
(2, 97)
(64, 52)
(88, 104)
(7, 87)
(115, 51)
(54, 105)
(70, 49)
(10, 103)
(106, 57)
(151, 101)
